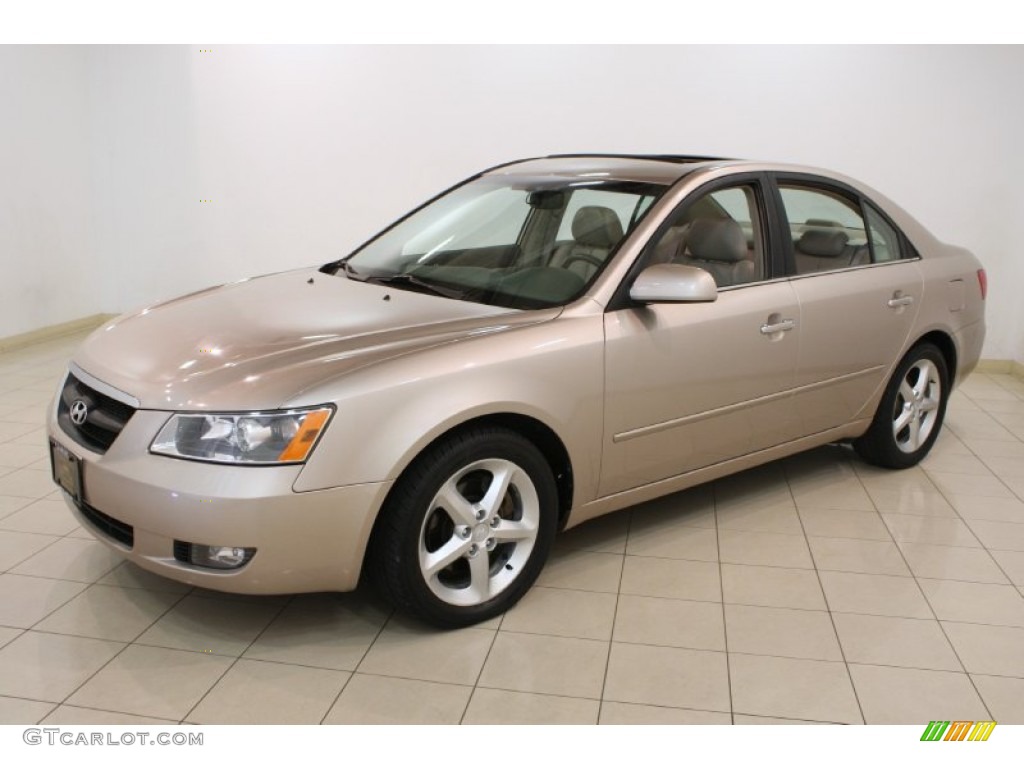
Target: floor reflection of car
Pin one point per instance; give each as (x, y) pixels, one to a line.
(549, 341)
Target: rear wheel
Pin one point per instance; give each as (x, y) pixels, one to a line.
(910, 413)
(467, 528)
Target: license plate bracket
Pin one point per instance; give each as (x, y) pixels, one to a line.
(67, 470)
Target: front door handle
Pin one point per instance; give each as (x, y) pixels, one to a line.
(782, 325)
(900, 300)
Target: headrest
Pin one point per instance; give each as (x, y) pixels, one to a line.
(717, 240)
(822, 242)
(823, 223)
(671, 245)
(596, 226)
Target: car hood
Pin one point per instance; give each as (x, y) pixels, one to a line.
(260, 343)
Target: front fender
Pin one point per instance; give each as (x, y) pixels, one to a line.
(388, 413)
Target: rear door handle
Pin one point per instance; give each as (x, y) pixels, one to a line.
(899, 300)
(783, 325)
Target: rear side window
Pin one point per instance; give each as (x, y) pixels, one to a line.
(885, 242)
(826, 229)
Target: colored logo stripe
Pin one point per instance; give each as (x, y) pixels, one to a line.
(958, 730)
(982, 730)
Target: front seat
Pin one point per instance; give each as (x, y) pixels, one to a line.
(719, 246)
(595, 230)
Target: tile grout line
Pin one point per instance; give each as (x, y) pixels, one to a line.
(476, 682)
(999, 477)
(824, 594)
(615, 617)
(967, 523)
(931, 607)
(962, 520)
(127, 645)
(721, 594)
(237, 658)
(355, 667)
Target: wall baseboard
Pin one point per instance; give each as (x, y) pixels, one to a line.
(40, 335)
(1011, 367)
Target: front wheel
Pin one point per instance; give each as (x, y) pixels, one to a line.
(910, 413)
(467, 528)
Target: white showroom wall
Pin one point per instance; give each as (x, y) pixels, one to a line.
(304, 151)
(47, 273)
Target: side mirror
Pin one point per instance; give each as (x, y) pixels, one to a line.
(673, 283)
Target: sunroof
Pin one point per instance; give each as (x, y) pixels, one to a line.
(661, 158)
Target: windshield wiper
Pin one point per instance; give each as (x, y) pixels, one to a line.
(400, 280)
(332, 267)
(406, 280)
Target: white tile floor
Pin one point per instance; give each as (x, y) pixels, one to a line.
(815, 589)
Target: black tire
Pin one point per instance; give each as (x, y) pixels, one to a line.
(415, 528)
(909, 391)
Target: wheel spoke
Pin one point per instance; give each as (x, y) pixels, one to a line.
(501, 476)
(927, 377)
(485, 517)
(480, 577)
(515, 530)
(452, 550)
(914, 440)
(913, 402)
(455, 504)
(902, 420)
(929, 373)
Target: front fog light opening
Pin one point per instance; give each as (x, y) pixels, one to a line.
(218, 557)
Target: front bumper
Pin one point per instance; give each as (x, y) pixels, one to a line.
(311, 541)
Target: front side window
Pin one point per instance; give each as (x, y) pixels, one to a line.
(826, 229)
(718, 232)
(509, 241)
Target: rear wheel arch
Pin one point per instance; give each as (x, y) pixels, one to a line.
(911, 410)
(947, 347)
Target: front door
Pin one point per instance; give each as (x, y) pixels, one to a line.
(689, 385)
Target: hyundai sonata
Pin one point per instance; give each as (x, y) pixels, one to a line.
(550, 340)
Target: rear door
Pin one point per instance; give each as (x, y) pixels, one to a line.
(859, 289)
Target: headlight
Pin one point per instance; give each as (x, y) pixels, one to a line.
(273, 437)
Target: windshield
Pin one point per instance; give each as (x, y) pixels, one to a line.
(513, 242)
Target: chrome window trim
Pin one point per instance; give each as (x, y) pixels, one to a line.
(855, 268)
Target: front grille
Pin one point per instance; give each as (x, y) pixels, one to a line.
(104, 422)
(113, 528)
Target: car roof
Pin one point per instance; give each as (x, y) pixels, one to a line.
(668, 169)
(657, 169)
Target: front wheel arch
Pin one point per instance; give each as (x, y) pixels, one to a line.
(426, 543)
(543, 437)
